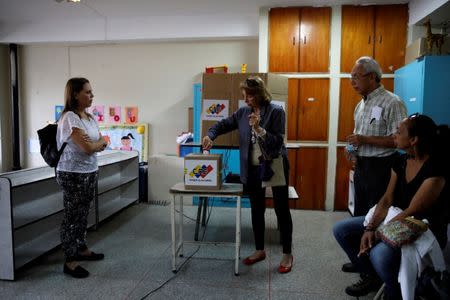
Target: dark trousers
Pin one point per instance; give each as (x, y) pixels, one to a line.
(258, 207)
(78, 193)
(372, 175)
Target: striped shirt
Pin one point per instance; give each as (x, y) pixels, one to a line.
(378, 115)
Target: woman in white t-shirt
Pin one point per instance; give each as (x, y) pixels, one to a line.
(77, 172)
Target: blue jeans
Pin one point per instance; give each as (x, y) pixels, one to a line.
(382, 260)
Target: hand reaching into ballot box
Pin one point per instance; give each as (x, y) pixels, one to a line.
(207, 143)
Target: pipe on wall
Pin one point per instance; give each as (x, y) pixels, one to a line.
(14, 77)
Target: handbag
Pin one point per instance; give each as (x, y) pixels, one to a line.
(272, 170)
(401, 232)
(278, 178)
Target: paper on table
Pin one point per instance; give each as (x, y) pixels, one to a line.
(34, 146)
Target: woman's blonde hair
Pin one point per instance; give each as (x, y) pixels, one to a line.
(255, 86)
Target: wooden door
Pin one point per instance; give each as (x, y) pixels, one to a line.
(388, 84)
(390, 32)
(314, 41)
(343, 167)
(313, 104)
(293, 110)
(348, 99)
(357, 35)
(311, 174)
(283, 39)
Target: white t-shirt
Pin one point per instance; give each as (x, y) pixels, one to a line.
(73, 158)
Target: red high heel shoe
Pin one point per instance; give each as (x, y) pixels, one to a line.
(250, 261)
(283, 269)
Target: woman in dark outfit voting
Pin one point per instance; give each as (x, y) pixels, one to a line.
(261, 126)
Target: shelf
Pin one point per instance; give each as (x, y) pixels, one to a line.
(48, 200)
(114, 181)
(108, 157)
(33, 241)
(27, 176)
(32, 206)
(116, 199)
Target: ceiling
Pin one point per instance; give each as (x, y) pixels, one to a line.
(30, 21)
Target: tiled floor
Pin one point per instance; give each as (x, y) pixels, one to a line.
(137, 245)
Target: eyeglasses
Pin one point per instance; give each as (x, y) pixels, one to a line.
(359, 77)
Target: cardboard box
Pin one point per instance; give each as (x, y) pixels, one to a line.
(203, 171)
(418, 48)
(216, 91)
(227, 87)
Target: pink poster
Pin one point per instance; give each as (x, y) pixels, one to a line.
(98, 111)
(114, 115)
(131, 115)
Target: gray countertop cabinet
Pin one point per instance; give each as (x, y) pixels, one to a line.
(31, 206)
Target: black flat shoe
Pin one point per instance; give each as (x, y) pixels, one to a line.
(78, 272)
(93, 256)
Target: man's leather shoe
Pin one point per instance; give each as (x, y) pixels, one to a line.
(349, 268)
(92, 256)
(250, 261)
(364, 286)
(78, 272)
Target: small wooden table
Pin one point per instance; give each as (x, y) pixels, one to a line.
(228, 190)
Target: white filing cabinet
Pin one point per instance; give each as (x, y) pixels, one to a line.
(31, 206)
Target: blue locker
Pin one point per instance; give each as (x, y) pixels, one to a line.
(424, 86)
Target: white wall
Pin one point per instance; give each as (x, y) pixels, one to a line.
(156, 77)
(419, 9)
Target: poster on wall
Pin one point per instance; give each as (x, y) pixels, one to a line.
(215, 110)
(133, 137)
(98, 111)
(115, 117)
(131, 114)
(58, 111)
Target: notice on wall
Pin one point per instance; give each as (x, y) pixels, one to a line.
(34, 146)
(131, 114)
(215, 110)
(98, 111)
(127, 138)
(58, 111)
(115, 115)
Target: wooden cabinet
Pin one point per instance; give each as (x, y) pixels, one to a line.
(31, 206)
(308, 106)
(348, 99)
(299, 39)
(308, 175)
(376, 31)
(343, 167)
(283, 39)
